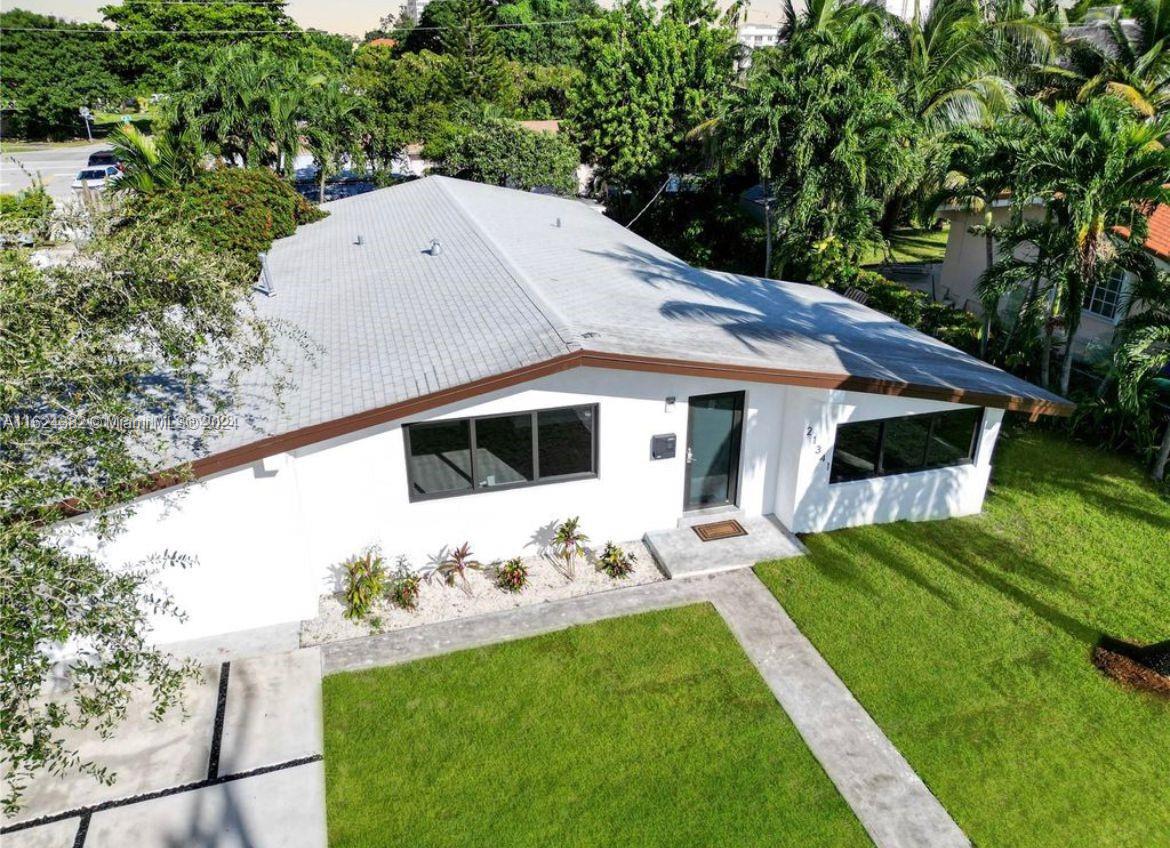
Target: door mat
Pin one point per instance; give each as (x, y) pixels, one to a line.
(719, 530)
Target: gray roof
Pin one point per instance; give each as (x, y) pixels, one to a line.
(522, 278)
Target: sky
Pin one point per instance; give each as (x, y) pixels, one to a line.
(353, 17)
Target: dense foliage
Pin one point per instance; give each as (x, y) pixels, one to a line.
(138, 300)
(653, 77)
(235, 212)
(49, 76)
(506, 154)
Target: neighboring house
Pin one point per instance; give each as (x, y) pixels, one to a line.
(493, 361)
(753, 37)
(966, 260)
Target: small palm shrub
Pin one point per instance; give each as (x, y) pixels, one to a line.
(365, 579)
(512, 575)
(456, 566)
(616, 562)
(568, 544)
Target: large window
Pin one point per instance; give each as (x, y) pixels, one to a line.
(1104, 298)
(901, 445)
(445, 458)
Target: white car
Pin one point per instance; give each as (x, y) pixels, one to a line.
(96, 179)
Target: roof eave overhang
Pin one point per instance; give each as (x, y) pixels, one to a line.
(336, 428)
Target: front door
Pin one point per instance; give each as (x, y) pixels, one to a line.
(714, 433)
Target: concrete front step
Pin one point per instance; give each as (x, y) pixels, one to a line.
(681, 553)
(715, 513)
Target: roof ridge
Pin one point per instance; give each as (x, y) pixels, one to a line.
(555, 320)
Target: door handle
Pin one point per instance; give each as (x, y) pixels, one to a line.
(690, 455)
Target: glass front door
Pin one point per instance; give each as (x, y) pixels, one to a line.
(714, 433)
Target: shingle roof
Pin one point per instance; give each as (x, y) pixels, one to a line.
(522, 279)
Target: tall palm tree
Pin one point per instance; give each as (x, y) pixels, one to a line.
(820, 121)
(1128, 58)
(332, 130)
(1101, 171)
(949, 66)
(980, 175)
(245, 105)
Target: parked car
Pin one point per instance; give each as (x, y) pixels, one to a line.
(103, 158)
(96, 179)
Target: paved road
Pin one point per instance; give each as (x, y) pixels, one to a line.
(56, 165)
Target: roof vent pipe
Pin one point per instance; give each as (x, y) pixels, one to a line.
(558, 223)
(266, 287)
(360, 241)
(436, 248)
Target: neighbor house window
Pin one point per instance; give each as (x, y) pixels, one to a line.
(1104, 298)
(901, 445)
(446, 458)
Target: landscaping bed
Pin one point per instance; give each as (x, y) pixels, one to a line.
(971, 643)
(650, 730)
(437, 601)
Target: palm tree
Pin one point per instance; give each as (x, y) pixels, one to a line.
(155, 163)
(1100, 170)
(332, 130)
(1126, 58)
(245, 104)
(819, 119)
(949, 67)
(980, 175)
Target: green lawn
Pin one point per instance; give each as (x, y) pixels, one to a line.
(969, 641)
(913, 245)
(652, 730)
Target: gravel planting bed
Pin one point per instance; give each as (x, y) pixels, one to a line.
(439, 602)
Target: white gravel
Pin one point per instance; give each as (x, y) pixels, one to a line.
(440, 602)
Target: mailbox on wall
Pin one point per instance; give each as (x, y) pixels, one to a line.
(663, 447)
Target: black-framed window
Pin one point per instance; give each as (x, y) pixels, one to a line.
(446, 458)
(901, 445)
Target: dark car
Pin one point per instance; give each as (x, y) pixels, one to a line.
(103, 158)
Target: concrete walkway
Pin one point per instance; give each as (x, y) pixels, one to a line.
(888, 798)
(244, 769)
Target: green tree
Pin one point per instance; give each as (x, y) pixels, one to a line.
(476, 68)
(332, 131)
(823, 124)
(82, 342)
(980, 176)
(652, 78)
(49, 76)
(403, 100)
(535, 34)
(152, 38)
(1142, 354)
(244, 104)
(166, 160)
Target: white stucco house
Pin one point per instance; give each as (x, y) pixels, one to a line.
(492, 361)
